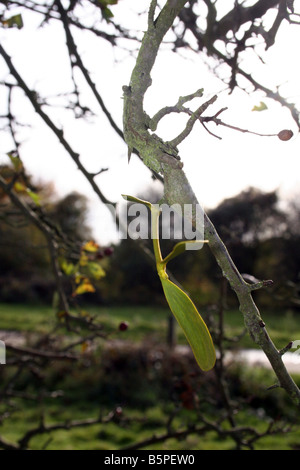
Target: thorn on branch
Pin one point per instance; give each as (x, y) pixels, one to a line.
(286, 348)
(276, 385)
(261, 284)
(102, 170)
(254, 283)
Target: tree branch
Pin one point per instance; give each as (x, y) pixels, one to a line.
(188, 17)
(46, 429)
(177, 108)
(177, 190)
(190, 124)
(240, 15)
(73, 52)
(53, 355)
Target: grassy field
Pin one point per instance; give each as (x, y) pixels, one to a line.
(144, 399)
(145, 322)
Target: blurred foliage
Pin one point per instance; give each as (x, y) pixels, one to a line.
(262, 238)
(25, 266)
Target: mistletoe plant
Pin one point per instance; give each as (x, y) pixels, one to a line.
(180, 303)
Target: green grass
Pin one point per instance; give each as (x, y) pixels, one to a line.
(29, 318)
(145, 322)
(142, 321)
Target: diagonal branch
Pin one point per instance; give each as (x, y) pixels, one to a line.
(77, 61)
(177, 189)
(190, 124)
(31, 95)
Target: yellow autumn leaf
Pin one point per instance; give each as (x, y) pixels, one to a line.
(84, 287)
(91, 246)
(20, 187)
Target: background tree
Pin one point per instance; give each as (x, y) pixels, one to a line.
(25, 262)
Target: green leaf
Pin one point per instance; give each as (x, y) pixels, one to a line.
(96, 271)
(15, 160)
(137, 200)
(106, 12)
(68, 268)
(15, 20)
(192, 324)
(261, 107)
(107, 2)
(21, 188)
(180, 248)
(34, 196)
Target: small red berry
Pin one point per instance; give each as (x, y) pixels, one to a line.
(123, 326)
(108, 251)
(285, 134)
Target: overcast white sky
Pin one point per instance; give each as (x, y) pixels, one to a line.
(216, 168)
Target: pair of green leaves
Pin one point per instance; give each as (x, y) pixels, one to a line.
(179, 302)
